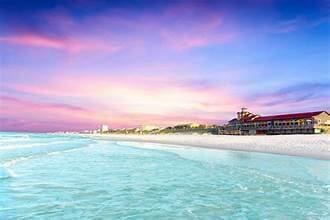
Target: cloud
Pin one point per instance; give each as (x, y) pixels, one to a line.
(286, 26)
(19, 114)
(177, 27)
(295, 24)
(135, 100)
(296, 97)
(34, 40)
(7, 102)
(69, 45)
(112, 75)
(186, 25)
(187, 41)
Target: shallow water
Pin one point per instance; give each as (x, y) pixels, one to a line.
(47, 176)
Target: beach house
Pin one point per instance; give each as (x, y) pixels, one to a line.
(247, 123)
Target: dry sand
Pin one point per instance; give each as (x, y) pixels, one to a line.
(314, 146)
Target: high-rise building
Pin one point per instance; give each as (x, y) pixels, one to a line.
(104, 128)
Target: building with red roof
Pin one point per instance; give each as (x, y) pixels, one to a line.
(248, 123)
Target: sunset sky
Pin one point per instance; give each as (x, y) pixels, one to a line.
(71, 65)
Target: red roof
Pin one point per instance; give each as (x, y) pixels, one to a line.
(287, 116)
(249, 117)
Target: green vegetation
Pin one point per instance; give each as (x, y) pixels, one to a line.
(178, 129)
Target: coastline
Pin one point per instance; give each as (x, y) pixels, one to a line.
(311, 146)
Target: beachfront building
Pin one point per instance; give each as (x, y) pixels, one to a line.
(248, 123)
(104, 128)
(187, 126)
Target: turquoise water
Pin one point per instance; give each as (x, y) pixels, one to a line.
(69, 177)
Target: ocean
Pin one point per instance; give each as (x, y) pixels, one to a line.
(54, 176)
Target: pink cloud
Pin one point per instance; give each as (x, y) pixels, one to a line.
(133, 101)
(34, 40)
(187, 41)
(71, 45)
(19, 114)
(188, 26)
(10, 105)
(178, 27)
(25, 115)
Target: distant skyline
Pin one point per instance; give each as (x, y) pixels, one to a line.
(72, 65)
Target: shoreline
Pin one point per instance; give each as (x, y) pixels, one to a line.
(311, 146)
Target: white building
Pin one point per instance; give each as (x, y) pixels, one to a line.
(104, 128)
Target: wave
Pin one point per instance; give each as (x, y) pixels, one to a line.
(11, 173)
(20, 146)
(7, 165)
(7, 173)
(10, 137)
(64, 151)
(16, 160)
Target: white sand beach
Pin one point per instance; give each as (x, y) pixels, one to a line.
(314, 146)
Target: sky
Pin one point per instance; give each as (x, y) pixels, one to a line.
(70, 65)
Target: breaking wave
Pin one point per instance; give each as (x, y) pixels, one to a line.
(7, 165)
